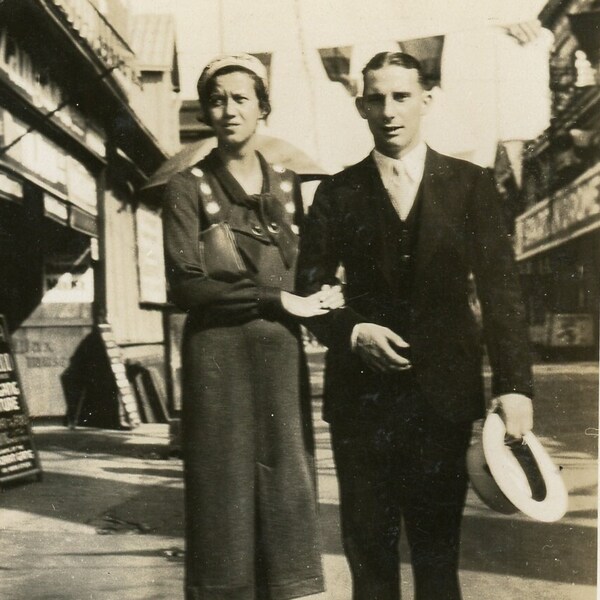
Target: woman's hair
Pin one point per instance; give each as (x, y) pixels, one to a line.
(205, 91)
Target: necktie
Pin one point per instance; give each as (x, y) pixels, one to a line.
(400, 190)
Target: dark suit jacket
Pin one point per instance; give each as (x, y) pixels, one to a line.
(460, 230)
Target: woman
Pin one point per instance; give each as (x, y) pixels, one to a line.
(251, 526)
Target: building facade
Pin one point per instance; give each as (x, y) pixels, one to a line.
(77, 248)
(557, 233)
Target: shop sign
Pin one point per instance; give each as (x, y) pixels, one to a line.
(43, 158)
(81, 185)
(44, 353)
(55, 209)
(45, 94)
(571, 212)
(150, 257)
(11, 187)
(35, 152)
(570, 330)
(18, 456)
(82, 221)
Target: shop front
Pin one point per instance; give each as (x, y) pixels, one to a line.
(48, 236)
(557, 245)
(79, 253)
(51, 155)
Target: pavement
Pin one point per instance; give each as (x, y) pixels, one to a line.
(106, 521)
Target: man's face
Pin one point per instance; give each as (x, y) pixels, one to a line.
(393, 103)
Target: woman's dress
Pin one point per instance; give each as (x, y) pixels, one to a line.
(251, 520)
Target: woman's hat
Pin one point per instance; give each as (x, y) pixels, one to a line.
(516, 476)
(242, 60)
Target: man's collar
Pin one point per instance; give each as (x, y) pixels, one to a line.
(413, 161)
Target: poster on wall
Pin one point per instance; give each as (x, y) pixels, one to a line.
(18, 456)
(150, 258)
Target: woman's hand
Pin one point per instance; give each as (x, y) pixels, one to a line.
(320, 303)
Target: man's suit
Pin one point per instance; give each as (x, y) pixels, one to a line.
(459, 229)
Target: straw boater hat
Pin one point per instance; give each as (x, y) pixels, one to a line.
(516, 476)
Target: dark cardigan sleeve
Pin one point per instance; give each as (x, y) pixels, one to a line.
(190, 287)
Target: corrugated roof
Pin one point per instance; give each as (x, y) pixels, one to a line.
(153, 41)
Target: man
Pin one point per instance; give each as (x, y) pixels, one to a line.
(403, 379)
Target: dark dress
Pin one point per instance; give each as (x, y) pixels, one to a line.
(251, 520)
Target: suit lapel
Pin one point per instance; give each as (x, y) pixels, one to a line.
(433, 221)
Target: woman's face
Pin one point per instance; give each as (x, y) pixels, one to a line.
(233, 107)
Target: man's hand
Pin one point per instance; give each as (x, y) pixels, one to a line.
(377, 346)
(516, 411)
(331, 297)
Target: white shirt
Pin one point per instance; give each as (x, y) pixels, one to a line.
(402, 177)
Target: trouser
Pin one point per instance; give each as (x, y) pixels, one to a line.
(402, 461)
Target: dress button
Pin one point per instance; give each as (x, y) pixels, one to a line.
(212, 208)
(273, 227)
(257, 230)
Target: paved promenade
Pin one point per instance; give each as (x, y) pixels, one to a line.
(106, 522)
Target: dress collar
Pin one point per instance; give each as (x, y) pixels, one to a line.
(230, 184)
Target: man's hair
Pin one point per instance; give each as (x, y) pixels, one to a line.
(259, 87)
(399, 59)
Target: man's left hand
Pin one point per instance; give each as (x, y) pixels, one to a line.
(516, 411)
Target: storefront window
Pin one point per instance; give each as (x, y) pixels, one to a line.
(68, 276)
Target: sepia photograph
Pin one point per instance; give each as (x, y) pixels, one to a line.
(299, 299)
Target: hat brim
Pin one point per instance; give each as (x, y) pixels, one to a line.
(514, 477)
(484, 484)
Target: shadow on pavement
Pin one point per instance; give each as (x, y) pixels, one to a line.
(95, 501)
(172, 554)
(175, 473)
(101, 442)
(547, 551)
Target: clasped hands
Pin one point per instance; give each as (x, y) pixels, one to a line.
(320, 303)
(382, 350)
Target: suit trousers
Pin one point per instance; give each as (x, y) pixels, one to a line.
(397, 460)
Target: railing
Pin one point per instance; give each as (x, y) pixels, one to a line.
(82, 17)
